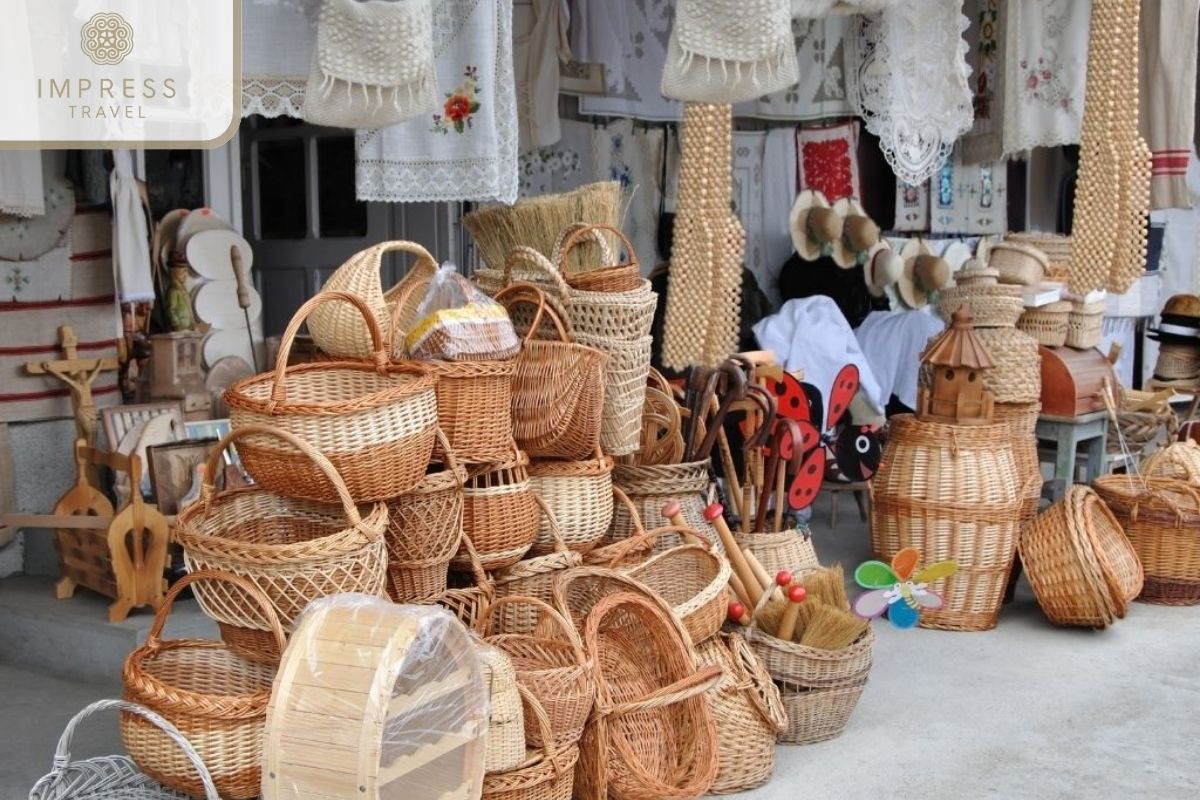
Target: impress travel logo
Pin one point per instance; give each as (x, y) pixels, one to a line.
(120, 73)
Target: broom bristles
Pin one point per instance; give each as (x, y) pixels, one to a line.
(827, 585)
(830, 628)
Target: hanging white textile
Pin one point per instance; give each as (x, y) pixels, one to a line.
(969, 198)
(560, 167)
(599, 32)
(621, 152)
(277, 44)
(22, 192)
(540, 41)
(467, 149)
(912, 84)
(1045, 66)
(131, 235)
(764, 187)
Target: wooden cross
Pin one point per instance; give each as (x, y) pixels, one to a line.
(78, 374)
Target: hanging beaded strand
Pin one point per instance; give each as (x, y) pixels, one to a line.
(1129, 258)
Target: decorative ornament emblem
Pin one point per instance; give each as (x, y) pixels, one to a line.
(106, 39)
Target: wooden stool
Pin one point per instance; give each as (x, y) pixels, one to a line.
(857, 489)
(1068, 433)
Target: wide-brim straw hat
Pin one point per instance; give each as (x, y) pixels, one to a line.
(924, 273)
(859, 234)
(811, 248)
(882, 268)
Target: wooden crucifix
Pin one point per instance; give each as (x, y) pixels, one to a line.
(78, 374)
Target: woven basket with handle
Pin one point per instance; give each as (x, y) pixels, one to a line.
(533, 577)
(374, 421)
(580, 496)
(500, 513)
(544, 774)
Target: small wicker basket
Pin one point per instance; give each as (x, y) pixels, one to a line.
(692, 578)
(819, 714)
(1056, 248)
(579, 494)
(988, 310)
(790, 550)
(1020, 264)
(1047, 324)
(500, 513)
(1085, 324)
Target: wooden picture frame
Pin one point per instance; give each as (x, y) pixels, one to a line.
(172, 467)
(118, 420)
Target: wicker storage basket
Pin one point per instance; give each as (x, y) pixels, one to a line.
(1021, 419)
(1079, 563)
(748, 713)
(976, 276)
(652, 735)
(424, 533)
(470, 592)
(474, 407)
(500, 513)
(558, 385)
(216, 699)
(1017, 374)
(1177, 362)
(692, 579)
(1084, 325)
(651, 487)
(953, 493)
(1017, 263)
(533, 577)
(987, 310)
(506, 718)
(544, 774)
(1047, 324)
(551, 664)
(114, 777)
(819, 714)
(624, 390)
(578, 590)
(376, 423)
(1161, 518)
(580, 496)
(294, 551)
(340, 331)
(811, 667)
(783, 550)
(617, 278)
(1178, 460)
(1056, 248)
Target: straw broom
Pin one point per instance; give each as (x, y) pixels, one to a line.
(538, 221)
(827, 585)
(827, 627)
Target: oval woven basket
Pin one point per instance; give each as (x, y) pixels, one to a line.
(819, 714)
(790, 550)
(987, 310)
(580, 496)
(294, 551)
(1079, 563)
(1178, 460)
(953, 493)
(216, 699)
(692, 578)
(1056, 248)
(1047, 324)
(1161, 518)
(500, 514)
(374, 422)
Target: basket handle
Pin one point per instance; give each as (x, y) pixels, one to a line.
(545, 727)
(633, 543)
(560, 546)
(279, 387)
(518, 293)
(575, 234)
(451, 459)
(483, 624)
(541, 265)
(398, 307)
(62, 753)
(697, 683)
(154, 637)
(213, 466)
(764, 697)
(480, 574)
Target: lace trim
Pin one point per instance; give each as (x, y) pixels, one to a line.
(1052, 114)
(913, 89)
(273, 95)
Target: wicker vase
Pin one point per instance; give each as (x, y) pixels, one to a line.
(953, 492)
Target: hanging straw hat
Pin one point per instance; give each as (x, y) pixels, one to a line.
(859, 233)
(883, 267)
(814, 225)
(956, 254)
(924, 273)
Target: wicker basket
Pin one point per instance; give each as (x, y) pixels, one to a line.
(1047, 324)
(474, 407)
(987, 310)
(216, 699)
(1178, 460)
(506, 720)
(1084, 325)
(1017, 374)
(651, 487)
(1020, 264)
(1178, 362)
(376, 423)
(578, 590)
(976, 276)
(558, 385)
(293, 551)
(748, 713)
(580, 496)
(341, 332)
(1021, 419)
(533, 577)
(1161, 518)
(652, 735)
(468, 593)
(811, 667)
(500, 514)
(1079, 563)
(618, 278)
(1056, 248)
(790, 550)
(551, 664)
(819, 714)
(544, 774)
(424, 533)
(114, 777)
(953, 493)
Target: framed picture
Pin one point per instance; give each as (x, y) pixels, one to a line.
(214, 429)
(172, 470)
(119, 420)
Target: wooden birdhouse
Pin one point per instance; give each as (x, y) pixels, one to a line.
(957, 361)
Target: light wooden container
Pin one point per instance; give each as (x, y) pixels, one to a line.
(376, 701)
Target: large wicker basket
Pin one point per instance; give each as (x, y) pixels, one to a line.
(651, 487)
(294, 551)
(216, 699)
(692, 578)
(790, 550)
(375, 422)
(544, 774)
(819, 714)
(500, 513)
(1079, 563)
(474, 407)
(1017, 374)
(580, 496)
(1161, 517)
(953, 493)
(1047, 324)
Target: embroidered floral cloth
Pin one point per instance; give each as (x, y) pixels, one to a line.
(827, 160)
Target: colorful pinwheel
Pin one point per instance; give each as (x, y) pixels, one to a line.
(896, 590)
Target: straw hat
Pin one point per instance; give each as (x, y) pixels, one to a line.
(924, 273)
(859, 233)
(814, 225)
(883, 267)
(956, 254)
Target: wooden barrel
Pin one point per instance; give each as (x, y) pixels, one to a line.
(953, 492)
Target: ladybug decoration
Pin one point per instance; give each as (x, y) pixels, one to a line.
(855, 448)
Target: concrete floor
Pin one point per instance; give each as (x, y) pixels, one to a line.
(1024, 711)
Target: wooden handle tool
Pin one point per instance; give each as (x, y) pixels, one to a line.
(736, 559)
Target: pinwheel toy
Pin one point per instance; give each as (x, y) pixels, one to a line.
(897, 591)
